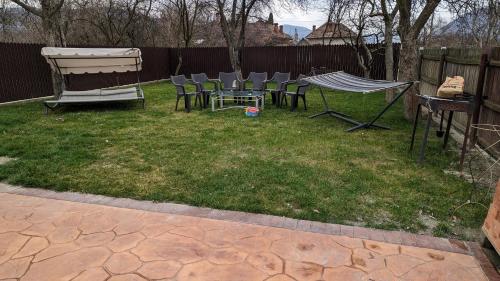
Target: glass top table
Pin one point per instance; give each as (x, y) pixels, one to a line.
(240, 99)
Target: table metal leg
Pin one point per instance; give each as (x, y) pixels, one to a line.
(187, 103)
(466, 138)
(426, 135)
(415, 125)
(448, 127)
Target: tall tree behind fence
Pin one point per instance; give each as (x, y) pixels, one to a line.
(481, 71)
(24, 74)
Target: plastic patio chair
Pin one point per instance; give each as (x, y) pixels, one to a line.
(179, 82)
(200, 80)
(281, 79)
(302, 87)
(230, 81)
(258, 80)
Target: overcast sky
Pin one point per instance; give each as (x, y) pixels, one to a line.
(313, 16)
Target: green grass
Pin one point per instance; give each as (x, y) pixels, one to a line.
(281, 163)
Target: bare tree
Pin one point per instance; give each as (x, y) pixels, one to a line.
(477, 20)
(388, 10)
(356, 14)
(412, 19)
(185, 14)
(233, 16)
(49, 12)
(117, 21)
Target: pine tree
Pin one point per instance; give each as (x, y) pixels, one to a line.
(270, 19)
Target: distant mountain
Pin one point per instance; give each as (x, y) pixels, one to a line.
(301, 31)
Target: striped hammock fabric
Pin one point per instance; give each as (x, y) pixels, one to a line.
(350, 83)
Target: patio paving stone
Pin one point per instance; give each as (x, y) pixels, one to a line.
(48, 239)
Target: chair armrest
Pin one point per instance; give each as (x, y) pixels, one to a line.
(285, 84)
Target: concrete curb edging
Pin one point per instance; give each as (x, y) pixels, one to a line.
(394, 237)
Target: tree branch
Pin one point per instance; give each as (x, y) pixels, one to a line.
(35, 11)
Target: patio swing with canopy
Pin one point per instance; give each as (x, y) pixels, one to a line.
(350, 83)
(66, 61)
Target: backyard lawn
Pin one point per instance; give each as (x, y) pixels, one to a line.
(281, 163)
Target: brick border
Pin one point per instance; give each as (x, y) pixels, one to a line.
(393, 237)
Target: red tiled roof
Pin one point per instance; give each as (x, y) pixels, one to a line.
(331, 30)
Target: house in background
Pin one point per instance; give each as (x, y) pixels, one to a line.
(328, 34)
(259, 33)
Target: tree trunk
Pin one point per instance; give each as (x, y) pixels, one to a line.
(51, 28)
(389, 60)
(234, 57)
(408, 72)
(179, 63)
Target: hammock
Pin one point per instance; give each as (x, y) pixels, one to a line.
(342, 81)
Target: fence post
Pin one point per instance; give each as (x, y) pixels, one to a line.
(478, 99)
(420, 59)
(442, 62)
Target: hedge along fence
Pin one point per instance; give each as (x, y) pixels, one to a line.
(481, 71)
(24, 73)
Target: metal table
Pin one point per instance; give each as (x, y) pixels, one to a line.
(436, 104)
(238, 97)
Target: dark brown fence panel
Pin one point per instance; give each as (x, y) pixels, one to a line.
(294, 59)
(196, 60)
(24, 74)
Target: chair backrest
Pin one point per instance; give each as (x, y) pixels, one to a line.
(229, 80)
(302, 85)
(179, 81)
(258, 79)
(199, 79)
(279, 78)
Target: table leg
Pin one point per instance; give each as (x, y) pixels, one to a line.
(187, 103)
(426, 135)
(466, 138)
(448, 127)
(415, 124)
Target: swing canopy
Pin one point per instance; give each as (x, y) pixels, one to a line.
(92, 60)
(350, 83)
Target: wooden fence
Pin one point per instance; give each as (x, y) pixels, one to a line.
(481, 71)
(24, 74)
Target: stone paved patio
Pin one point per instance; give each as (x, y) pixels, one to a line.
(46, 239)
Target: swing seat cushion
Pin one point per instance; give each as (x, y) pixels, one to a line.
(98, 95)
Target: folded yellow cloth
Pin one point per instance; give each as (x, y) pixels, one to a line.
(451, 87)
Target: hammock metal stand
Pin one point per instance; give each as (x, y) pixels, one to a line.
(346, 82)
